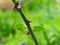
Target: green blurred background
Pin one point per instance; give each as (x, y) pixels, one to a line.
(45, 17)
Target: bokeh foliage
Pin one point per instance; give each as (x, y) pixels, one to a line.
(45, 17)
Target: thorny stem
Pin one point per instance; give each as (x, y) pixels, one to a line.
(26, 22)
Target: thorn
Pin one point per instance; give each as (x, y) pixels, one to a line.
(20, 6)
(29, 21)
(27, 33)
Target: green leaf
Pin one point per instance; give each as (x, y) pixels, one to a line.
(38, 28)
(19, 26)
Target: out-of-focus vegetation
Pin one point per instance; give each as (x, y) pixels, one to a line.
(45, 17)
